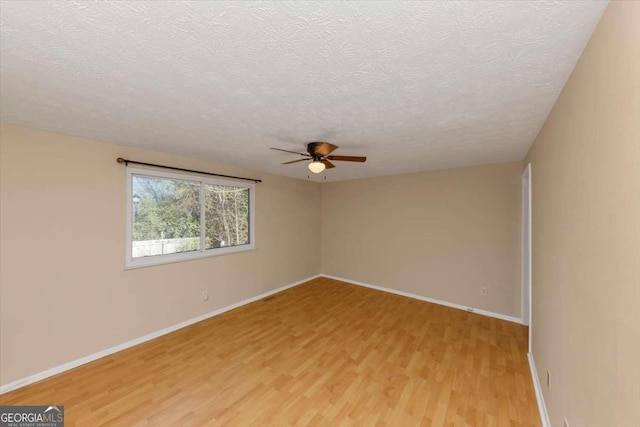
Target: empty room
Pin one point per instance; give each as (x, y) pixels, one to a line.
(319, 213)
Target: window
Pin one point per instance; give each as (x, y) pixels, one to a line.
(175, 217)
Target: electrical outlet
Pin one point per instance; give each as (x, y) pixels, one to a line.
(566, 423)
(483, 291)
(548, 380)
(205, 295)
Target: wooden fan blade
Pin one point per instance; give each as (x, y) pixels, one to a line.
(296, 161)
(287, 151)
(360, 159)
(328, 164)
(321, 149)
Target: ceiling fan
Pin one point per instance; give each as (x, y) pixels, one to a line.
(320, 155)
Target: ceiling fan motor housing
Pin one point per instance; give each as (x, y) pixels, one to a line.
(320, 148)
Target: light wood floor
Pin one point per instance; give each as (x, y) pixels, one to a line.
(324, 353)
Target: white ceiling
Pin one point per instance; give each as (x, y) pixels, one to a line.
(412, 85)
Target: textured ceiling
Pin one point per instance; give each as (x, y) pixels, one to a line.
(412, 85)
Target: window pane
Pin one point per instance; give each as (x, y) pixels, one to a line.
(226, 216)
(165, 217)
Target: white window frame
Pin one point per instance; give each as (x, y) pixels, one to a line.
(131, 262)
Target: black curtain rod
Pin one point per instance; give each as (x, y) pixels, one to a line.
(127, 161)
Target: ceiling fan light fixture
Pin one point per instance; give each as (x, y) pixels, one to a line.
(316, 166)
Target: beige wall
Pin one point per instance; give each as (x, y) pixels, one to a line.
(586, 233)
(63, 291)
(440, 234)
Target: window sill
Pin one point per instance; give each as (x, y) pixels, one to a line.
(131, 264)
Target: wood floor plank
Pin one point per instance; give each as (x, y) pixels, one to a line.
(324, 353)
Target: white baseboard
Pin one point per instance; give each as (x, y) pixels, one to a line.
(427, 299)
(95, 356)
(90, 358)
(542, 408)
